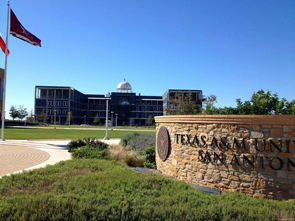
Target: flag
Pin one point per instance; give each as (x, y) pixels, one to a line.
(3, 46)
(18, 31)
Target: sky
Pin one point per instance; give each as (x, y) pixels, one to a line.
(227, 48)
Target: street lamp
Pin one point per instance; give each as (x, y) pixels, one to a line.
(112, 117)
(116, 119)
(107, 96)
(54, 117)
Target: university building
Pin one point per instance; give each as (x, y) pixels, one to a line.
(64, 104)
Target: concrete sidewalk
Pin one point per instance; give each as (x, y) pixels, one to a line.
(17, 156)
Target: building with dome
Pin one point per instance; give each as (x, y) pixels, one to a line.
(55, 104)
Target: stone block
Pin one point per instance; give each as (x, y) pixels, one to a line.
(245, 178)
(256, 134)
(223, 174)
(258, 195)
(216, 177)
(245, 185)
(258, 183)
(234, 184)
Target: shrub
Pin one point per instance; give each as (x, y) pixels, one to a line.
(75, 144)
(89, 152)
(91, 189)
(118, 152)
(126, 155)
(150, 158)
(138, 142)
(89, 141)
(133, 159)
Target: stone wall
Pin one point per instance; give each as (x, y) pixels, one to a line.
(254, 155)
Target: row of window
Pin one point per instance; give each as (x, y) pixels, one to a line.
(146, 115)
(96, 107)
(57, 112)
(149, 103)
(149, 108)
(58, 103)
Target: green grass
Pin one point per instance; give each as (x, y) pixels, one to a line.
(105, 190)
(102, 127)
(51, 133)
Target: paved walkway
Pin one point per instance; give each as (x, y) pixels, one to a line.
(17, 156)
(21, 155)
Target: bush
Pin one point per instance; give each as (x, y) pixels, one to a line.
(91, 189)
(89, 152)
(133, 159)
(126, 155)
(118, 152)
(138, 142)
(93, 142)
(150, 158)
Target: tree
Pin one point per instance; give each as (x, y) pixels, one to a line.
(264, 102)
(42, 117)
(22, 112)
(209, 105)
(96, 120)
(183, 104)
(291, 107)
(13, 112)
(261, 102)
(150, 121)
(210, 100)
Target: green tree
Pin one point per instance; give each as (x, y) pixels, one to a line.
(22, 112)
(13, 112)
(264, 102)
(183, 104)
(291, 107)
(209, 105)
(261, 102)
(42, 117)
(150, 121)
(96, 120)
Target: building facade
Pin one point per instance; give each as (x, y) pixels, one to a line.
(66, 105)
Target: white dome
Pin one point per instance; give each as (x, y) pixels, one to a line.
(124, 86)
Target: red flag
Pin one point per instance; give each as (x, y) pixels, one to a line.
(18, 31)
(3, 46)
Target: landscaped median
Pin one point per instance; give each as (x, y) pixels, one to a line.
(98, 185)
(93, 189)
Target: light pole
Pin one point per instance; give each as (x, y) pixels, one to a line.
(54, 110)
(54, 117)
(107, 96)
(116, 119)
(112, 118)
(84, 119)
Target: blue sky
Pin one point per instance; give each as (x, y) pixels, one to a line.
(224, 47)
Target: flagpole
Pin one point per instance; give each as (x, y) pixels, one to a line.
(5, 71)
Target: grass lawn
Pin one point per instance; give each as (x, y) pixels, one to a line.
(35, 133)
(102, 127)
(105, 190)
